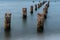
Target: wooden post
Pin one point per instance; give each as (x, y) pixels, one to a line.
(35, 7)
(40, 22)
(31, 9)
(48, 3)
(38, 5)
(44, 2)
(24, 10)
(45, 12)
(7, 21)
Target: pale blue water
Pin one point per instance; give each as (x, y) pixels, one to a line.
(27, 29)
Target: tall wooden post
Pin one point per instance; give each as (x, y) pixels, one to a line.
(7, 21)
(40, 22)
(24, 11)
(45, 10)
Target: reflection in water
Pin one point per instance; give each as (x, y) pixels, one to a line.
(24, 21)
(7, 35)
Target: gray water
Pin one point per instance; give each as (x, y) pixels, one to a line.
(27, 29)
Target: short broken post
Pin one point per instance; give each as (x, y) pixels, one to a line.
(48, 3)
(45, 12)
(31, 9)
(44, 2)
(7, 21)
(38, 5)
(40, 25)
(24, 11)
(35, 7)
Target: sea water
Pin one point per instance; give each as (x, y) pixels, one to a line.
(26, 29)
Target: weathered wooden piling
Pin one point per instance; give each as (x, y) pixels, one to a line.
(45, 12)
(7, 21)
(44, 2)
(47, 5)
(31, 9)
(45, 15)
(36, 7)
(40, 4)
(45, 9)
(24, 11)
(40, 24)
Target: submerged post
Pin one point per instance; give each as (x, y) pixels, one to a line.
(40, 22)
(24, 10)
(31, 9)
(38, 5)
(45, 12)
(35, 7)
(48, 3)
(44, 2)
(41, 4)
(7, 21)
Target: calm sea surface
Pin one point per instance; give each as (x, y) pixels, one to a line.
(27, 29)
